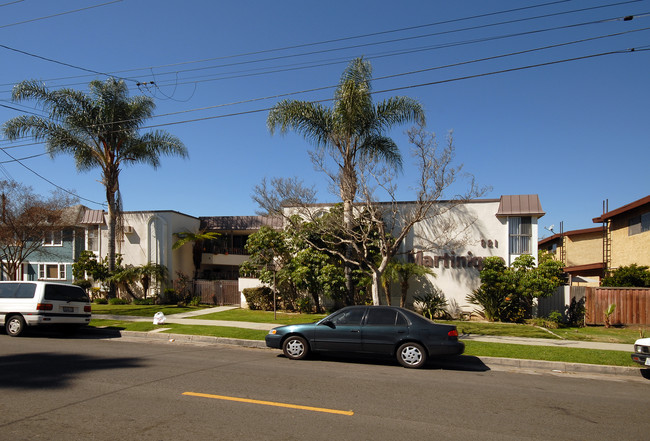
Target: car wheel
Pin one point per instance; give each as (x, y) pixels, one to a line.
(295, 348)
(15, 325)
(411, 355)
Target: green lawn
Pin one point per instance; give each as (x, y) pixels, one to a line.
(142, 310)
(246, 315)
(548, 353)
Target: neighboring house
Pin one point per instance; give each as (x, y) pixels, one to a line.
(588, 254)
(581, 253)
(147, 237)
(54, 258)
(626, 235)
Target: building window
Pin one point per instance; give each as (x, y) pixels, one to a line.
(53, 238)
(521, 233)
(639, 224)
(93, 238)
(51, 271)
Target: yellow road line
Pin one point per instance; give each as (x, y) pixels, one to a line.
(271, 403)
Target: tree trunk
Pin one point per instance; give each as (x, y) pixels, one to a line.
(405, 290)
(347, 221)
(376, 275)
(112, 225)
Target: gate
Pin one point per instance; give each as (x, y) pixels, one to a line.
(218, 292)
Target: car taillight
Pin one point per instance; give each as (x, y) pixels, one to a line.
(87, 308)
(453, 333)
(44, 307)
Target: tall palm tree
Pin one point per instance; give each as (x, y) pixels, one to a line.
(100, 129)
(353, 129)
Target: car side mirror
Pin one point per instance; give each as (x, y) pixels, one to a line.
(329, 324)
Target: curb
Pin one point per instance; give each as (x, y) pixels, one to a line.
(550, 366)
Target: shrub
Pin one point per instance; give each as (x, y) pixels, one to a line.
(196, 301)
(118, 301)
(576, 312)
(628, 276)
(83, 283)
(143, 301)
(304, 305)
(100, 301)
(260, 298)
(433, 304)
(168, 297)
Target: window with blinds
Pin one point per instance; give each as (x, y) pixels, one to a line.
(521, 233)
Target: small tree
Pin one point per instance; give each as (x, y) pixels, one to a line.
(149, 272)
(25, 219)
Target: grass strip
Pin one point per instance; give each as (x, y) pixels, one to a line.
(548, 353)
(246, 315)
(141, 310)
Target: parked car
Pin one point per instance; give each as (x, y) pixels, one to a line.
(376, 330)
(642, 351)
(25, 304)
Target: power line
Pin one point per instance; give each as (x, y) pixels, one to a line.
(356, 37)
(54, 15)
(52, 183)
(11, 3)
(449, 80)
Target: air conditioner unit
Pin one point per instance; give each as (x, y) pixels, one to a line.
(128, 229)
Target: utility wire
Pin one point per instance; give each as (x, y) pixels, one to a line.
(52, 183)
(54, 15)
(360, 36)
(449, 80)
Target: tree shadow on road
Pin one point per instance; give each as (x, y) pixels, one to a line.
(49, 370)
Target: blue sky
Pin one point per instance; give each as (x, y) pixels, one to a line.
(574, 132)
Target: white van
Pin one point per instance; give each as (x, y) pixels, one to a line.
(25, 304)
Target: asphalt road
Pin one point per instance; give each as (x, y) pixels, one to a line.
(58, 388)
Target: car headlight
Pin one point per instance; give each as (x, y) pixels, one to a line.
(273, 331)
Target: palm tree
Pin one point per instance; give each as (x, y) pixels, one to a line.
(353, 130)
(99, 129)
(407, 270)
(148, 272)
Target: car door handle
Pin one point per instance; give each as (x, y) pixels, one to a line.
(401, 332)
(355, 330)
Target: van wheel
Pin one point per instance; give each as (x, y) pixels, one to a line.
(15, 325)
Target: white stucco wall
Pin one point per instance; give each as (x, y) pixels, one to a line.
(453, 245)
(152, 238)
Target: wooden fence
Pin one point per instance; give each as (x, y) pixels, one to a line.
(632, 306)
